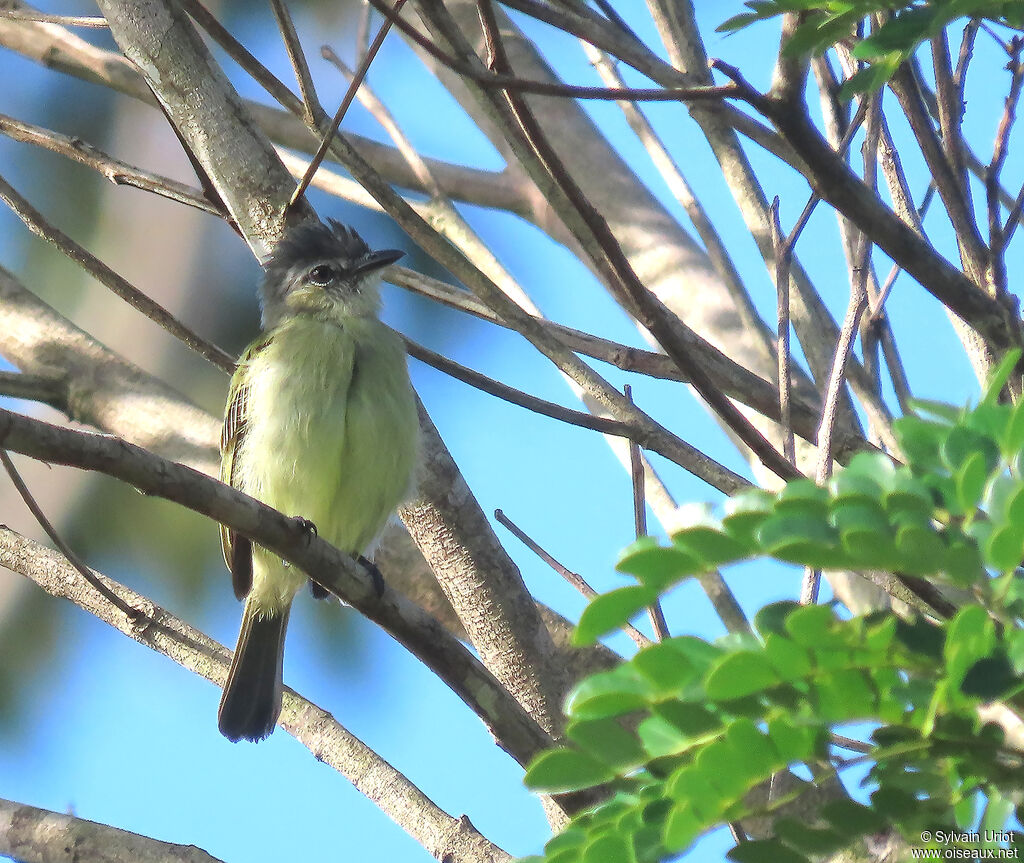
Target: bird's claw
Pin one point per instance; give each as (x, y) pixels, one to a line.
(305, 525)
(375, 575)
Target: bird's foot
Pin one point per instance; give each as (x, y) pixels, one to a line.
(305, 525)
(378, 579)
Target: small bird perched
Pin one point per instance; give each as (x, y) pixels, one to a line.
(320, 422)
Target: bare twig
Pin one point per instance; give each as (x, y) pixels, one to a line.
(39, 226)
(573, 578)
(357, 79)
(618, 272)
(782, 261)
(997, 235)
(680, 188)
(488, 385)
(297, 57)
(658, 622)
(734, 380)
(513, 83)
(135, 615)
(332, 130)
(91, 21)
(44, 389)
(119, 173)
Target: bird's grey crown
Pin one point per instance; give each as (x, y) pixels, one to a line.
(308, 243)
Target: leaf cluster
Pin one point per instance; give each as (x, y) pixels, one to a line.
(905, 24)
(683, 733)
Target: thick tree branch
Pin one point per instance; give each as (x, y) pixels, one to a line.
(441, 835)
(518, 734)
(32, 835)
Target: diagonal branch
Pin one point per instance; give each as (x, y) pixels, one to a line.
(28, 833)
(446, 838)
(520, 735)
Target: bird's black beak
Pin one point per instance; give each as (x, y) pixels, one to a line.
(377, 260)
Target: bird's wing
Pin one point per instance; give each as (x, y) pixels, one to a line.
(237, 549)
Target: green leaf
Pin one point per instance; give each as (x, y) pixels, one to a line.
(1013, 435)
(908, 494)
(570, 839)
(607, 847)
(843, 696)
(610, 693)
(660, 737)
(682, 827)
(744, 512)
(560, 770)
(921, 549)
(810, 840)
(970, 480)
(765, 851)
(990, 678)
(963, 443)
(970, 636)
(790, 660)
(610, 611)
(999, 376)
(921, 637)
(656, 566)
(710, 545)
(759, 754)
(607, 741)
(794, 742)
(740, 674)
(806, 539)
(772, 618)
(854, 484)
(901, 33)
(692, 720)
(853, 819)
(1005, 547)
(813, 626)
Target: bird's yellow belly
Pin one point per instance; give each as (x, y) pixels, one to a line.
(331, 445)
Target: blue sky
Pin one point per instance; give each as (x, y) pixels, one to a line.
(120, 735)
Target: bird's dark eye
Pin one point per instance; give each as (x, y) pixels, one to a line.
(322, 275)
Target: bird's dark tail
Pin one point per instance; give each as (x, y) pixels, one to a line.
(251, 701)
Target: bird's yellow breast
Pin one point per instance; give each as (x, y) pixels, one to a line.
(331, 435)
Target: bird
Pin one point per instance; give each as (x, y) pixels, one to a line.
(321, 424)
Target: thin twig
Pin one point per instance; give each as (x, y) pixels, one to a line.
(613, 264)
(575, 579)
(38, 225)
(1013, 219)
(680, 188)
(513, 83)
(782, 348)
(119, 173)
(92, 21)
(34, 388)
(890, 280)
(857, 305)
(331, 130)
(636, 471)
(997, 237)
(502, 391)
(297, 57)
(363, 31)
(135, 615)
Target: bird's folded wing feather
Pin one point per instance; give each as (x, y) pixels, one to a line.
(237, 549)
